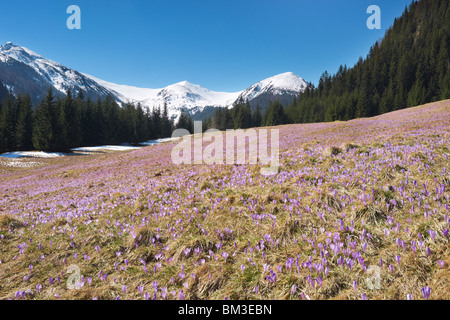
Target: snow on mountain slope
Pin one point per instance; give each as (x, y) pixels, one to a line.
(130, 93)
(285, 83)
(182, 95)
(194, 98)
(24, 71)
(19, 63)
(191, 97)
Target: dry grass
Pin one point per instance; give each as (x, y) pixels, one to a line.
(163, 214)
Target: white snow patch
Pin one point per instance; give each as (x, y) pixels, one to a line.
(157, 141)
(109, 148)
(130, 93)
(31, 154)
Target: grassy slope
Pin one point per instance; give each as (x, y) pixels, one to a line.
(114, 213)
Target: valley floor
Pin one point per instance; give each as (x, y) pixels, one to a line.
(330, 225)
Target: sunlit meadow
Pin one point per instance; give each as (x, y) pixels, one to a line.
(349, 196)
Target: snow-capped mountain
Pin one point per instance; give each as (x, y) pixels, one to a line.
(278, 85)
(282, 87)
(24, 71)
(182, 95)
(198, 101)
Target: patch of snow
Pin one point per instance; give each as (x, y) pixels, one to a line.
(109, 148)
(157, 141)
(31, 154)
(131, 93)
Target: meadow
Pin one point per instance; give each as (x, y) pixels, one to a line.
(358, 210)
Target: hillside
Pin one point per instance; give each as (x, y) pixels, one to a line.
(139, 227)
(408, 67)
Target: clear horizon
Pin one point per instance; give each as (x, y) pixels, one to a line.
(225, 46)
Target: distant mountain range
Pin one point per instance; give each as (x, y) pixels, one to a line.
(24, 71)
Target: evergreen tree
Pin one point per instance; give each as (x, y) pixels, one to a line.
(72, 109)
(166, 126)
(43, 130)
(246, 115)
(185, 122)
(156, 122)
(257, 117)
(60, 141)
(7, 126)
(24, 127)
(274, 115)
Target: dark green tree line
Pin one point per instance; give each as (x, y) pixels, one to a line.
(69, 122)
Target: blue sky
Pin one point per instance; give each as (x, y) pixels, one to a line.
(222, 45)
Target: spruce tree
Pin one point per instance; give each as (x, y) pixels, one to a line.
(72, 111)
(43, 129)
(24, 127)
(257, 117)
(61, 140)
(7, 126)
(274, 115)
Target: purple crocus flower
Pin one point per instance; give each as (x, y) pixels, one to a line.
(398, 259)
(432, 234)
(319, 280)
(293, 289)
(225, 255)
(391, 267)
(426, 292)
(164, 292)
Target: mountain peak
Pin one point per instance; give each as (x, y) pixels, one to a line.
(281, 84)
(7, 46)
(16, 51)
(184, 83)
(285, 75)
